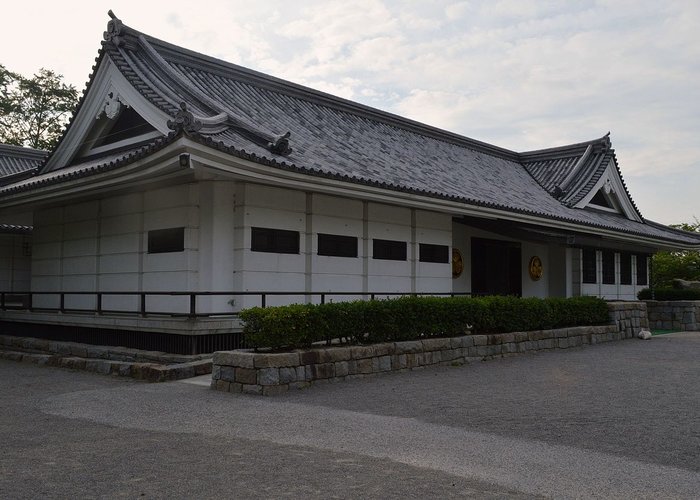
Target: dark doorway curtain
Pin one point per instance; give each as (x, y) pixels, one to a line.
(496, 267)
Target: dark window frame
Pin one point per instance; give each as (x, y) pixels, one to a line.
(389, 250)
(167, 240)
(625, 268)
(271, 240)
(642, 270)
(608, 263)
(589, 267)
(337, 245)
(430, 252)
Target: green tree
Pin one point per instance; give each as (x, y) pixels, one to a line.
(34, 111)
(667, 266)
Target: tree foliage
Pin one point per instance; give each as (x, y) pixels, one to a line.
(34, 111)
(668, 266)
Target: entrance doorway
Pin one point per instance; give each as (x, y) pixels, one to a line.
(496, 267)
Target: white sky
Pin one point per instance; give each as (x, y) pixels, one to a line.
(520, 74)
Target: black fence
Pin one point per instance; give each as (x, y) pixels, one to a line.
(187, 307)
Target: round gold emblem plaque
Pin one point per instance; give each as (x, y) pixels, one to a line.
(457, 263)
(535, 268)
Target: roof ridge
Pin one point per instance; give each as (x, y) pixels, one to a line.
(27, 152)
(127, 35)
(559, 151)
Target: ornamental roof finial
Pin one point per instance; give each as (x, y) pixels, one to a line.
(184, 121)
(114, 30)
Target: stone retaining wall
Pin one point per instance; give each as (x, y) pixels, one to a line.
(681, 315)
(270, 374)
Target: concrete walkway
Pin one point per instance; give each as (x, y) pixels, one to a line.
(618, 420)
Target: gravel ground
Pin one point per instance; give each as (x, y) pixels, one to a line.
(613, 420)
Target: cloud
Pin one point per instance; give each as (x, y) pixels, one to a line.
(521, 74)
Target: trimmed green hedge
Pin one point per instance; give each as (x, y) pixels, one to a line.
(409, 318)
(669, 294)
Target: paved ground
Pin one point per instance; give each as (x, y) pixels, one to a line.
(612, 420)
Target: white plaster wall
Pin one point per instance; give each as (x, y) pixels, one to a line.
(340, 216)
(433, 228)
(15, 265)
(275, 208)
(101, 245)
(389, 223)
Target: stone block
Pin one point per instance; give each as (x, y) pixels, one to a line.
(228, 373)
(520, 336)
(202, 367)
(334, 354)
(537, 335)
(412, 346)
(288, 374)
(322, 371)
(244, 376)
(362, 352)
(78, 350)
(234, 358)
(276, 360)
(221, 385)
(384, 363)
(364, 365)
(546, 343)
(341, 369)
(268, 376)
(559, 333)
(436, 344)
(507, 338)
(384, 349)
(480, 339)
(309, 357)
(562, 343)
(251, 388)
(510, 347)
(301, 373)
(494, 339)
(467, 341)
(450, 354)
(410, 360)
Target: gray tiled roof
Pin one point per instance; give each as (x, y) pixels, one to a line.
(17, 159)
(244, 112)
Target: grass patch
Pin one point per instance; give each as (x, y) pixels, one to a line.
(663, 332)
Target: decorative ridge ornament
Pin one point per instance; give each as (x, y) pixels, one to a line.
(281, 145)
(184, 121)
(112, 104)
(114, 30)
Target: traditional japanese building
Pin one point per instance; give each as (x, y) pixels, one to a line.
(184, 173)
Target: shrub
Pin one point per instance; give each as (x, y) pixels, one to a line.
(409, 318)
(670, 294)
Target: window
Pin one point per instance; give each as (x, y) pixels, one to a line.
(433, 253)
(335, 245)
(590, 270)
(263, 239)
(388, 250)
(625, 269)
(166, 240)
(642, 278)
(608, 267)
